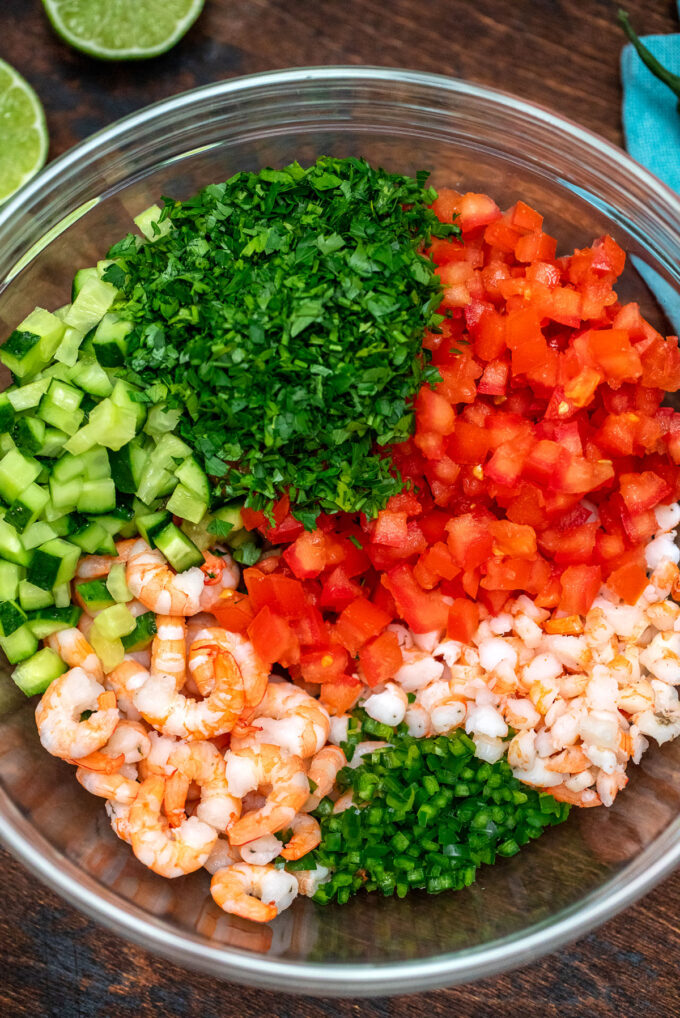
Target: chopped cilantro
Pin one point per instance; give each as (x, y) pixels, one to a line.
(284, 315)
(220, 528)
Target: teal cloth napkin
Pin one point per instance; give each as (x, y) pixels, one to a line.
(651, 128)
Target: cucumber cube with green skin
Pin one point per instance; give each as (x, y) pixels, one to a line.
(127, 466)
(109, 425)
(151, 524)
(147, 222)
(110, 340)
(55, 440)
(53, 563)
(95, 595)
(96, 464)
(7, 412)
(46, 621)
(143, 633)
(20, 645)
(67, 351)
(93, 538)
(62, 595)
(186, 504)
(114, 622)
(170, 451)
(60, 406)
(97, 496)
(79, 280)
(34, 675)
(64, 495)
(90, 376)
(32, 597)
(16, 473)
(67, 467)
(27, 507)
(33, 343)
(11, 617)
(91, 303)
(161, 420)
(40, 532)
(193, 477)
(29, 434)
(6, 443)
(12, 547)
(10, 576)
(180, 552)
(25, 397)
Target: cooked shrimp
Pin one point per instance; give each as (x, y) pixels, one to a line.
(266, 767)
(290, 718)
(153, 582)
(168, 650)
(129, 744)
(306, 836)
(221, 573)
(125, 679)
(584, 798)
(93, 567)
(58, 714)
(208, 643)
(108, 786)
(260, 851)
(258, 893)
(570, 761)
(168, 852)
(75, 651)
(173, 713)
(222, 855)
(323, 770)
(119, 815)
(309, 881)
(202, 763)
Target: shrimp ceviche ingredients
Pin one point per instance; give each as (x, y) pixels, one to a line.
(345, 512)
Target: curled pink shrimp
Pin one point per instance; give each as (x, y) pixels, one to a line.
(306, 836)
(281, 775)
(258, 893)
(58, 715)
(153, 582)
(323, 770)
(170, 852)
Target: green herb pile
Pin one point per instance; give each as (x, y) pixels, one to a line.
(428, 814)
(283, 314)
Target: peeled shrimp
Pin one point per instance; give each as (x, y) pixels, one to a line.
(167, 851)
(221, 573)
(93, 567)
(58, 714)
(173, 713)
(75, 651)
(205, 648)
(258, 893)
(108, 786)
(306, 836)
(152, 582)
(290, 718)
(119, 815)
(323, 770)
(262, 768)
(202, 763)
(168, 650)
(125, 679)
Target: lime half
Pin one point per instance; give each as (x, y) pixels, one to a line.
(122, 29)
(23, 131)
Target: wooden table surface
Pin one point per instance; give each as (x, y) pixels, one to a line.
(561, 53)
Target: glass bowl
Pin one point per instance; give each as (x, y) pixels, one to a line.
(473, 139)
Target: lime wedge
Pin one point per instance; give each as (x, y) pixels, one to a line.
(23, 131)
(122, 29)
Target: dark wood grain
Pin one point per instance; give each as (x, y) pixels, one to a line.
(561, 53)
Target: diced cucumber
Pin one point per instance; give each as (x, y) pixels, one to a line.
(16, 473)
(12, 617)
(25, 509)
(126, 396)
(109, 425)
(39, 533)
(50, 620)
(127, 466)
(170, 451)
(180, 552)
(93, 300)
(186, 504)
(96, 464)
(79, 280)
(97, 496)
(114, 622)
(10, 576)
(25, 397)
(38, 672)
(156, 481)
(161, 419)
(55, 440)
(116, 583)
(95, 595)
(60, 528)
(90, 376)
(110, 340)
(20, 645)
(64, 495)
(110, 652)
(12, 547)
(31, 597)
(147, 222)
(6, 412)
(6, 443)
(67, 467)
(53, 563)
(193, 477)
(33, 343)
(60, 406)
(67, 351)
(29, 434)
(151, 524)
(62, 595)
(92, 537)
(143, 633)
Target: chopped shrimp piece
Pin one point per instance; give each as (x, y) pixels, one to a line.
(258, 893)
(167, 851)
(584, 798)
(323, 770)
(290, 718)
(153, 582)
(93, 567)
(569, 761)
(266, 768)
(388, 706)
(58, 715)
(306, 836)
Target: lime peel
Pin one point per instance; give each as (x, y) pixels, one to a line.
(23, 131)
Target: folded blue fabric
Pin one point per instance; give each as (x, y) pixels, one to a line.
(651, 128)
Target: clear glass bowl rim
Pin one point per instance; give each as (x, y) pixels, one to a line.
(637, 878)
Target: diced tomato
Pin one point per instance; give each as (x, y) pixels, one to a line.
(642, 491)
(469, 540)
(380, 658)
(494, 380)
(358, 622)
(463, 620)
(273, 639)
(628, 581)
(513, 539)
(307, 555)
(338, 590)
(523, 217)
(280, 593)
(325, 665)
(311, 628)
(234, 611)
(580, 586)
(613, 353)
(390, 529)
(340, 696)
(468, 443)
(424, 611)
